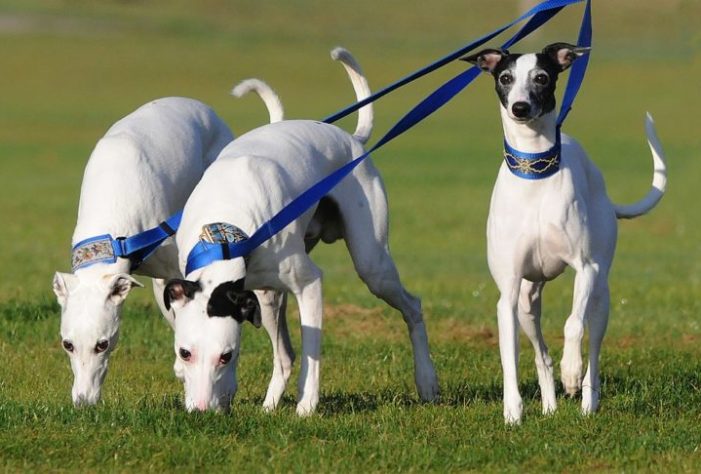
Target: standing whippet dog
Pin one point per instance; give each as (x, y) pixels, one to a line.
(558, 216)
(140, 173)
(254, 177)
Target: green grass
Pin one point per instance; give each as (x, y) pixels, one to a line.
(70, 69)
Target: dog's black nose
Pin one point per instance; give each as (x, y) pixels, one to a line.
(521, 109)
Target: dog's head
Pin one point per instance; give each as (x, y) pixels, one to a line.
(525, 83)
(91, 304)
(209, 313)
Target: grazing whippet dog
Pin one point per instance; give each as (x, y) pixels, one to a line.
(253, 178)
(558, 216)
(140, 173)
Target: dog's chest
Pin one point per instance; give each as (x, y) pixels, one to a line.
(535, 227)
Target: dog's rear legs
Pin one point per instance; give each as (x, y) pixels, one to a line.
(273, 306)
(376, 268)
(529, 310)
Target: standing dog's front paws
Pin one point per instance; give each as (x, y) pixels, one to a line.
(590, 399)
(427, 383)
(571, 373)
(513, 409)
(307, 407)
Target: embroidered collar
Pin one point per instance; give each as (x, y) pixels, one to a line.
(214, 245)
(533, 165)
(137, 248)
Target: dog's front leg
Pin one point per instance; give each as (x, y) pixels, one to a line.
(309, 300)
(273, 305)
(597, 318)
(508, 349)
(529, 310)
(571, 364)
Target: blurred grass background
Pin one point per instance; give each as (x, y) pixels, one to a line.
(70, 68)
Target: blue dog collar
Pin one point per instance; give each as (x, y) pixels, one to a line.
(137, 248)
(214, 245)
(99, 249)
(533, 165)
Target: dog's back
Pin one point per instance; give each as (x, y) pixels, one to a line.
(257, 174)
(146, 165)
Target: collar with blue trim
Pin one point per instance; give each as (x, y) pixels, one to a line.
(214, 245)
(137, 248)
(533, 165)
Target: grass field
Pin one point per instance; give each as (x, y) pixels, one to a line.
(71, 68)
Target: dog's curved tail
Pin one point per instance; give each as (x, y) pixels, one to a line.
(362, 90)
(266, 93)
(659, 177)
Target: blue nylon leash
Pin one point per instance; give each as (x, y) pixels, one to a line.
(543, 7)
(204, 253)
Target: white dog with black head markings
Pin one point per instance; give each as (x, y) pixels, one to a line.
(550, 210)
(254, 177)
(140, 173)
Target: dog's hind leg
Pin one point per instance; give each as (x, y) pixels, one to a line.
(597, 318)
(273, 306)
(365, 232)
(529, 310)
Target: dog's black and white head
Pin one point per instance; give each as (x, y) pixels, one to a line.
(525, 83)
(209, 313)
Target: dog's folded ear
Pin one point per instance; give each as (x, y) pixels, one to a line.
(487, 59)
(564, 54)
(178, 292)
(63, 284)
(119, 286)
(230, 299)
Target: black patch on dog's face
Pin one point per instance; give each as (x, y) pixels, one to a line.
(230, 300)
(504, 77)
(539, 93)
(178, 289)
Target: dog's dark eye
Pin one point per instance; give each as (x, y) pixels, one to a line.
(225, 357)
(101, 346)
(541, 79)
(68, 346)
(506, 79)
(184, 354)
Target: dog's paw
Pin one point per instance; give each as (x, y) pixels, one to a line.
(304, 410)
(590, 400)
(571, 375)
(513, 410)
(427, 385)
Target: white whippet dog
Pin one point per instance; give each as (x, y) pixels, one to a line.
(140, 173)
(253, 178)
(537, 227)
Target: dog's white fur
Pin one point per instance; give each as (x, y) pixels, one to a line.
(254, 177)
(537, 228)
(140, 173)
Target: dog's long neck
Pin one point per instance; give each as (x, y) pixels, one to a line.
(535, 136)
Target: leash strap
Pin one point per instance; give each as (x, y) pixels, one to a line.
(202, 255)
(137, 248)
(536, 166)
(548, 5)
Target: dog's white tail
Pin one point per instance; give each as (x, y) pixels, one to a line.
(362, 90)
(659, 177)
(266, 93)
